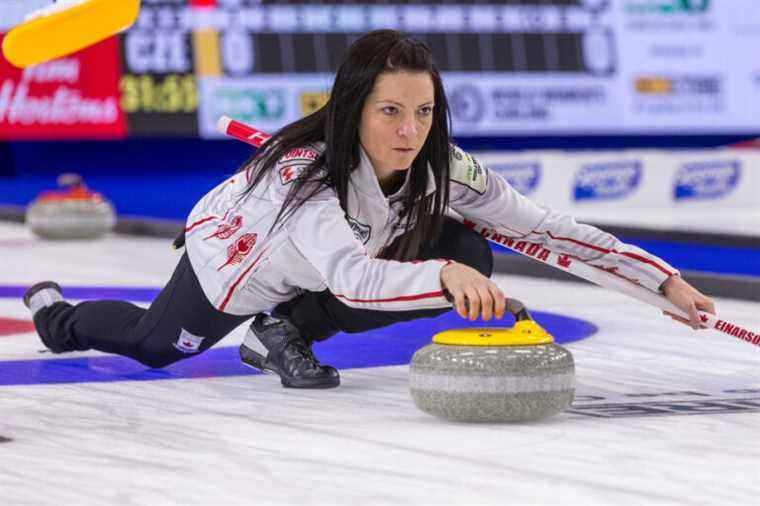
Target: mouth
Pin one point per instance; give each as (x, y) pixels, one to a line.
(404, 150)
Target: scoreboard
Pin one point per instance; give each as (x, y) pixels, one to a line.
(511, 67)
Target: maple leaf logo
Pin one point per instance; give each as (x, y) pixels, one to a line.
(227, 230)
(239, 249)
(288, 174)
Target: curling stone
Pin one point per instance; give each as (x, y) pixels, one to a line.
(72, 212)
(512, 374)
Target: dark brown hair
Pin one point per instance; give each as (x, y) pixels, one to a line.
(337, 125)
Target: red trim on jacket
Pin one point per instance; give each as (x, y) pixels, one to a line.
(633, 256)
(200, 222)
(646, 261)
(207, 219)
(580, 243)
(429, 295)
(239, 279)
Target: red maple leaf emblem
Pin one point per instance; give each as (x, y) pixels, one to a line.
(564, 261)
(287, 175)
(239, 249)
(227, 230)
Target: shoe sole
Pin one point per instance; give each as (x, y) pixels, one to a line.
(32, 290)
(310, 384)
(257, 361)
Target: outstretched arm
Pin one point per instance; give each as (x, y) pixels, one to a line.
(490, 205)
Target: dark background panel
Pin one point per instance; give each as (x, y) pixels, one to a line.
(452, 52)
(160, 96)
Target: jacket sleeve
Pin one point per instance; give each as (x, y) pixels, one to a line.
(320, 232)
(489, 203)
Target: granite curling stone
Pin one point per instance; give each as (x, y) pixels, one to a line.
(492, 375)
(72, 212)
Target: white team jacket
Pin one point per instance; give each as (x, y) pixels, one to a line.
(242, 270)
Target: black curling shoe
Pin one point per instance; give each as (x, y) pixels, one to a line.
(275, 345)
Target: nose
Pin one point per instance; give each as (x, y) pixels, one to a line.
(408, 128)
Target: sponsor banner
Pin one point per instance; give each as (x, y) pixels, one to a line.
(523, 176)
(611, 180)
(498, 104)
(69, 98)
(683, 67)
(675, 97)
(483, 107)
(706, 179)
(608, 180)
(601, 185)
(599, 181)
(267, 102)
(710, 178)
(682, 16)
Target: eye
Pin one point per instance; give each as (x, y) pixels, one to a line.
(426, 111)
(390, 110)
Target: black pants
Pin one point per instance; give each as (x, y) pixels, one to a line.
(181, 322)
(150, 336)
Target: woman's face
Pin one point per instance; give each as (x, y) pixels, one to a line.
(396, 120)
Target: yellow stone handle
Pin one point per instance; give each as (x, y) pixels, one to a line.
(514, 306)
(525, 332)
(518, 310)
